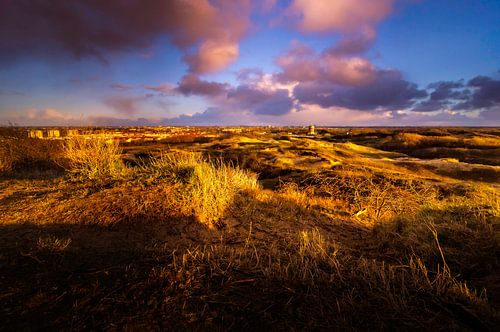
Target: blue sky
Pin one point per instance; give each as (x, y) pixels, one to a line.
(184, 62)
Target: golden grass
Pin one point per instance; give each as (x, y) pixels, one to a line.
(94, 158)
(137, 253)
(208, 187)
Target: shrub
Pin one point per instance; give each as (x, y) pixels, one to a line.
(94, 158)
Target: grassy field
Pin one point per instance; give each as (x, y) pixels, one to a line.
(370, 229)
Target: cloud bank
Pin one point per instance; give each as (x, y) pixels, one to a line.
(339, 80)
(208, 32)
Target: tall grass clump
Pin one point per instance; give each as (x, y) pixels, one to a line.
(94, 158)
(209, 187)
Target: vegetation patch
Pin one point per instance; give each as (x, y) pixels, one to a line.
(223, 234)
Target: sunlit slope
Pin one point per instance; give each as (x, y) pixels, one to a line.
(270, 155)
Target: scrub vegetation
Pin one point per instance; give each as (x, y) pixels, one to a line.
(361, 230)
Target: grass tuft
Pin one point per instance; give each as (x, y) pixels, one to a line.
(208, 187)
(95, 158)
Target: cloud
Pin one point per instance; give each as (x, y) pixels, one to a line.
(353, 44)
(85, 28)
(212, 56)
(481, 92)
(353, 71)
(300, 63)
(447, 89)
(127, 105)
(48, 114)
(41, 117)
(445, 95)
(192, 85)
(257, 93)
(388, 91)
(249, 75)
(261, 101)
(485, 94)
(166, 89)
(345, 16)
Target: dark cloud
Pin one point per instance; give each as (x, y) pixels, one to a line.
(248, 96)
(485, 94)
(352, 45)
(444, 95)
(94, 28)
(211, 116)
(449, 90)
(191, 84)
(127, 105)
(263, 102)
(430, 105)
(389, 91)
(481, 92)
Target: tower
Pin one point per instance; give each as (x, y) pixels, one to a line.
(312, 130)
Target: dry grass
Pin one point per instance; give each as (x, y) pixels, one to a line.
(209, 186)
(351, 246)
(52, 243)
(374, 195)
(19, 153)
(94, 158)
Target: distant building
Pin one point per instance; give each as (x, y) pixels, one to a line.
(35, 133)
(312, 130)
(52, 133)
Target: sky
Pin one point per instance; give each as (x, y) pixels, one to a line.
(242, 62)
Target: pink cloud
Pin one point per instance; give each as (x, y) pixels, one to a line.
(345, 16)
(213, 56)
(299, 63)
(353, 71)
(302, 64)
